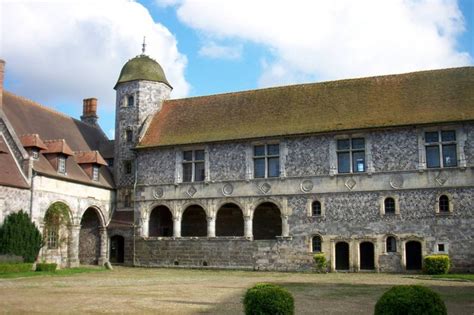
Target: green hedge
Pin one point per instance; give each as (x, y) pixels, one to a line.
(320, 263)
(436, 264)
(410, 300)
(264, 298)
(46, 267)
(11, 268)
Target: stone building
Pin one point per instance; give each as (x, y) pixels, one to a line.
(373, 172)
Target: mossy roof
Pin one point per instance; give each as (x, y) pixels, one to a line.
(424, 97)
(142, 67)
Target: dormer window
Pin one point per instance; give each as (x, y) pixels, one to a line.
(95, 173)
(35, 154)
(62, 164)
(130, 101)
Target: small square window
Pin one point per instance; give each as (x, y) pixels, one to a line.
(441, 248)
(130, 101)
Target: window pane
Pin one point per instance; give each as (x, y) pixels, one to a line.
(448, 135)
(259, 168)
(316, 208)
(259, 150)
(343, 162)
(432, 156)
(316, 244)
(358, 160)
(343, 144)
(187, 172)
(389, 206)
(273, 167)
(449, 155)
(188, 155)
(358, 143)
(443, 203)
(391, 244)
(431, 137)
(199, 172)
(199, 155)
(130, 101)
(273, 149)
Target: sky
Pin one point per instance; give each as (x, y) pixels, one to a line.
(59, 52)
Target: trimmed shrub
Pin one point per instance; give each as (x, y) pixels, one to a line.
(46, 267)
(10, 268)
(410, 300)
(19, 236)
(264, 298)
(436, 264)
(320, 263)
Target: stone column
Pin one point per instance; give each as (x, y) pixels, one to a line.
(176, 226)
(73, 246)
(248, 233)
(211, 227)
(333, 255)
(144, 226)
(103, 246)
(285, 227)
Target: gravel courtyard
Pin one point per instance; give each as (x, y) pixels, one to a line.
(181, 291)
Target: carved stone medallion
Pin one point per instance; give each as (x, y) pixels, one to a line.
(265, 188)
(227, 189)
(306, 185)
(396, 181)
(442, 178)
(350, 183)
(191, 191)
(158, 193)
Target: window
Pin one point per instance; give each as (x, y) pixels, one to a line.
(266, 160)
(35, 154)
(127, 199)
(130, 101)
(441, 247)
(316, 244)
(53, 236)
(193, 166)
(95, 173)
(62, 164)
(391, 244)
(127, 165)
(440, 147)
(316, 208)
(129, 135)
(351, 155)
(110, 162)
(444, 204)
(389, 205)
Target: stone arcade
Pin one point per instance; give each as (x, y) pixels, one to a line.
(373, 172)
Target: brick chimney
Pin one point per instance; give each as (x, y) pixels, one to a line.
(2, 73)
(89, 111)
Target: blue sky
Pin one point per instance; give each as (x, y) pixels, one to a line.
(69, 50)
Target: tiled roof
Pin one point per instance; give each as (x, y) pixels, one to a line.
(32, 141)
(10, 174)
(57, 146)
(89, 157)
(394, 100)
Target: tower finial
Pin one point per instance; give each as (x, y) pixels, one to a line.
(143, 45)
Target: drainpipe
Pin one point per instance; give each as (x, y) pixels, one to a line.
(134, 198)
(33, 174)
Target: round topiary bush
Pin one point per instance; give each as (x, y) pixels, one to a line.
(410, 300)
(264, 298)
(436, 264)
(320, 262)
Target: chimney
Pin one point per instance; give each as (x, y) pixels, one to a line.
(89, 111)
(2, 72)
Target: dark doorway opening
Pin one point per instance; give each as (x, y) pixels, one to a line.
(194, 222)
(89, 238)
(266, 222)
(229, 221)
(117, 249)
(342, 256)
(367, 256)
(161, 222)
(413, 255)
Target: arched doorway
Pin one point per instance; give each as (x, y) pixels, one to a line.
(89, 238)
(56, 234)
(367, 261)
(117, 249)
(266, 222)
(194, 222)
(161, 222)
(229, 221)
(342, 256)
(413, 255)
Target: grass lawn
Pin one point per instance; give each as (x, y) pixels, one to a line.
(460, 276)
(60, 272)
(185, 291)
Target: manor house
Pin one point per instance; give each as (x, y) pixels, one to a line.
(373, 172)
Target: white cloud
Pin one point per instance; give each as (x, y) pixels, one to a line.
(311, 40)
(64, 51)
(214, 50)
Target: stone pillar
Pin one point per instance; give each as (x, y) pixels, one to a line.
(333, 256)
(176, 226)
(285, 227)
(248, 233)
(73, 246)
(211, 227)
(103, 246)
(144, 226)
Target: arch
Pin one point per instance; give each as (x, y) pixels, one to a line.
(160, 222)
(367, 259)
(229, 220)
(117, 249)
(389, 205)
(194, 221)
(342, 256)
(316, 244)
(391, 244)
(98, 212)
(89, 237)
(267, 222)
(56, 219)
(444, 204)
(413, 255)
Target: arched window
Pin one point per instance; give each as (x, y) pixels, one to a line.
(130, 101)
(316, 244)
(391, 244)
(316, 208)
(389, 205)
(444, 204)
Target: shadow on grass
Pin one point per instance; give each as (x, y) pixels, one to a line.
(60, 272)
